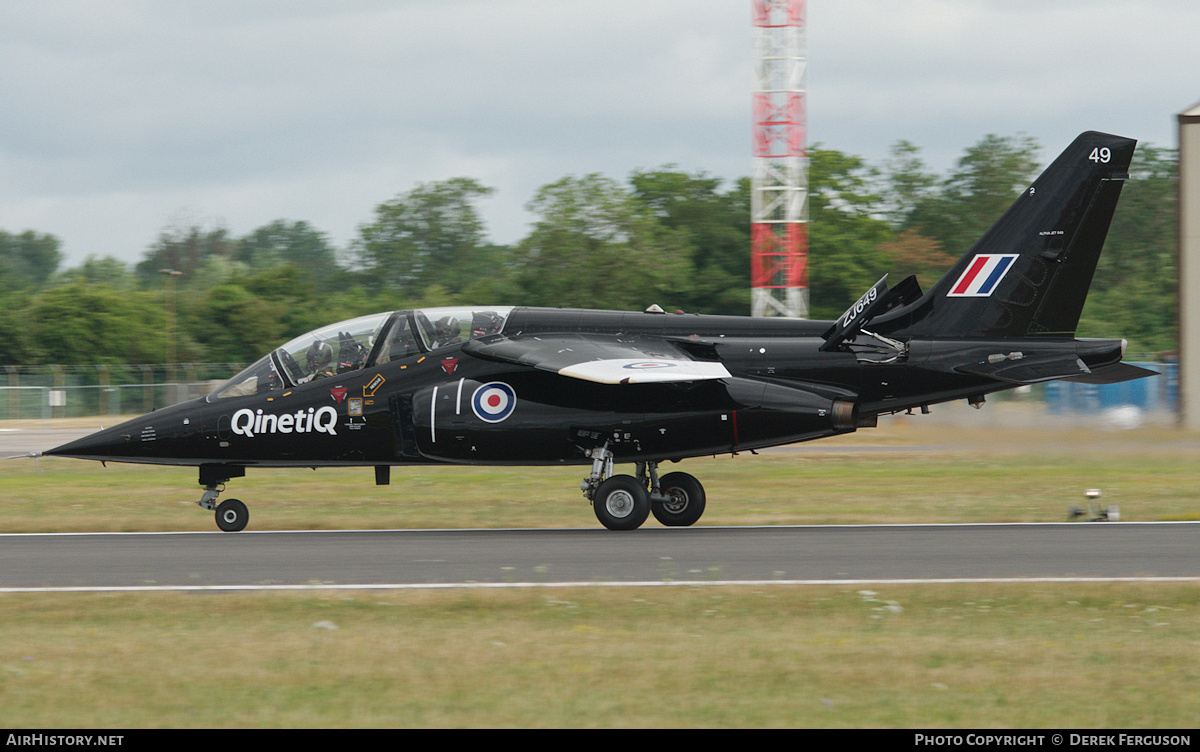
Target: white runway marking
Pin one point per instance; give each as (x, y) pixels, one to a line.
(617, 584)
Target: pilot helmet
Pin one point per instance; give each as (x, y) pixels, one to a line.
(484, 323)
(319, 355)
(447, 329)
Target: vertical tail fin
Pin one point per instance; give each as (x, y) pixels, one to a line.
(1030, 272)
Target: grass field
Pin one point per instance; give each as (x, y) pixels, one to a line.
(980, 656)
(984, 655)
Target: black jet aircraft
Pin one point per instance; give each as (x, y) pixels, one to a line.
(536, 386)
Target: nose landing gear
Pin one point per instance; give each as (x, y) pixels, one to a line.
(232, 515)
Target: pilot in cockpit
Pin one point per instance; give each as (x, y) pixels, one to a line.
(319, 359)
(484, 323)
(446, 332)
(351, 354)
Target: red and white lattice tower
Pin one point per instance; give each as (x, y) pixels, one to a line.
(779, 191)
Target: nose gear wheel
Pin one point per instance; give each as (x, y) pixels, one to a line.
(232, 515)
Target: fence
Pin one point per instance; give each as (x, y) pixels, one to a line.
(75, 391)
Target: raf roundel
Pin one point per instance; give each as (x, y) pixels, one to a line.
(648, 364)
(493, 402)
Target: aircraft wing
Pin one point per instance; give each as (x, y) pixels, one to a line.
(603, 358)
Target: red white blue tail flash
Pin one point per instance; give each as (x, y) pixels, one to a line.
(982, 276)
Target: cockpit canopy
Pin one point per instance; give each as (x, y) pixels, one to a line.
(363, 342)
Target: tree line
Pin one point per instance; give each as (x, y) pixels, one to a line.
(665, 236)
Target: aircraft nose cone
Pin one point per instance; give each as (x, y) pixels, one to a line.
(153, 438)
(109, 443)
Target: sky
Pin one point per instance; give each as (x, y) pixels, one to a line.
(124, 119)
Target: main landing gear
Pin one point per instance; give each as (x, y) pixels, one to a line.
(623, 502)
(232, 515)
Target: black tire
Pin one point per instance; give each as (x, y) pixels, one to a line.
(232, 515)
(686, 504)
(621, 503)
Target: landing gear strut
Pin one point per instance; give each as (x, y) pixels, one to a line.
(623, 502)
(232, 515)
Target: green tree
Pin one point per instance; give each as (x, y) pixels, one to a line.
(99, 271)
(432, 234)
(232, 324)
(716, 227)
(246, 316)
(984, 184)
(183, 249)
(596, 246)
(28, 259)
(907, 183)
(845, 232)
(17, 337)
(96, 324)
(294, 243)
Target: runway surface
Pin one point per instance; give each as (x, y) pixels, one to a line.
(19, 441)
(589, 556)
(649, 556)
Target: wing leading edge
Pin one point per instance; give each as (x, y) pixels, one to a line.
(604, 359)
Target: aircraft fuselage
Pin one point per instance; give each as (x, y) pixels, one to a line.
(447, 405)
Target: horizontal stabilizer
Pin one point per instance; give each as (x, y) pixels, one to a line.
(1114, 374)
(1030, 370)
